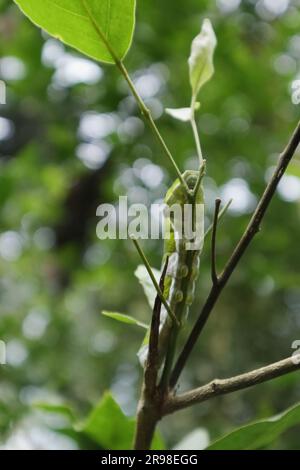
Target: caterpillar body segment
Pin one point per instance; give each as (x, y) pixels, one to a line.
(183, 248)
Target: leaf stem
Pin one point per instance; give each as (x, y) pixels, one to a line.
(199, 179)
(146, 113)
(148, 117)
(220, 216)
(195, 132)
(154, 281)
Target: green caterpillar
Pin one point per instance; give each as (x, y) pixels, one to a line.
(183, 257)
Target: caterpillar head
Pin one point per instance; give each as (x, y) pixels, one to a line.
(190, 177)
(177, 193)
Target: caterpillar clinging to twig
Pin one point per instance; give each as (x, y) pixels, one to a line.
(184, 235)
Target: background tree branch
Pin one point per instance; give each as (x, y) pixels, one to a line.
(222, 387)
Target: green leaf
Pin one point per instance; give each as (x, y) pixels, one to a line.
(108, 426)
(157, 443)
(201, 58)
(259, 434)
(62, 410)
(111, 428)
(71, 429)
(125, 319)
(142, 274)
(110, 21)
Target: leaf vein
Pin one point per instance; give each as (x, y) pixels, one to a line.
(66, 9)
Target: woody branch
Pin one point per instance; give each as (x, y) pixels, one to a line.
(251, 230)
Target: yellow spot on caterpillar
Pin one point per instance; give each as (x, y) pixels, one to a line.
(194, 273)
(190, 299)
(178, 296)
(183, 271)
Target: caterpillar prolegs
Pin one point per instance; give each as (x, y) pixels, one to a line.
(184, 235)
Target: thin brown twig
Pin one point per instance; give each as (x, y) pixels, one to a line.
(148, 413)
(251, 230)
(214, 275)
(151, 368)
(221, 387)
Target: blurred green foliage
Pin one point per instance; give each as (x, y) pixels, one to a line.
(71, 138)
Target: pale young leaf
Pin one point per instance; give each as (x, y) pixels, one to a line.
(201, 65)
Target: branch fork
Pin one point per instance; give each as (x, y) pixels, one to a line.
(153, 407)
(250, 232)
(154, 403)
